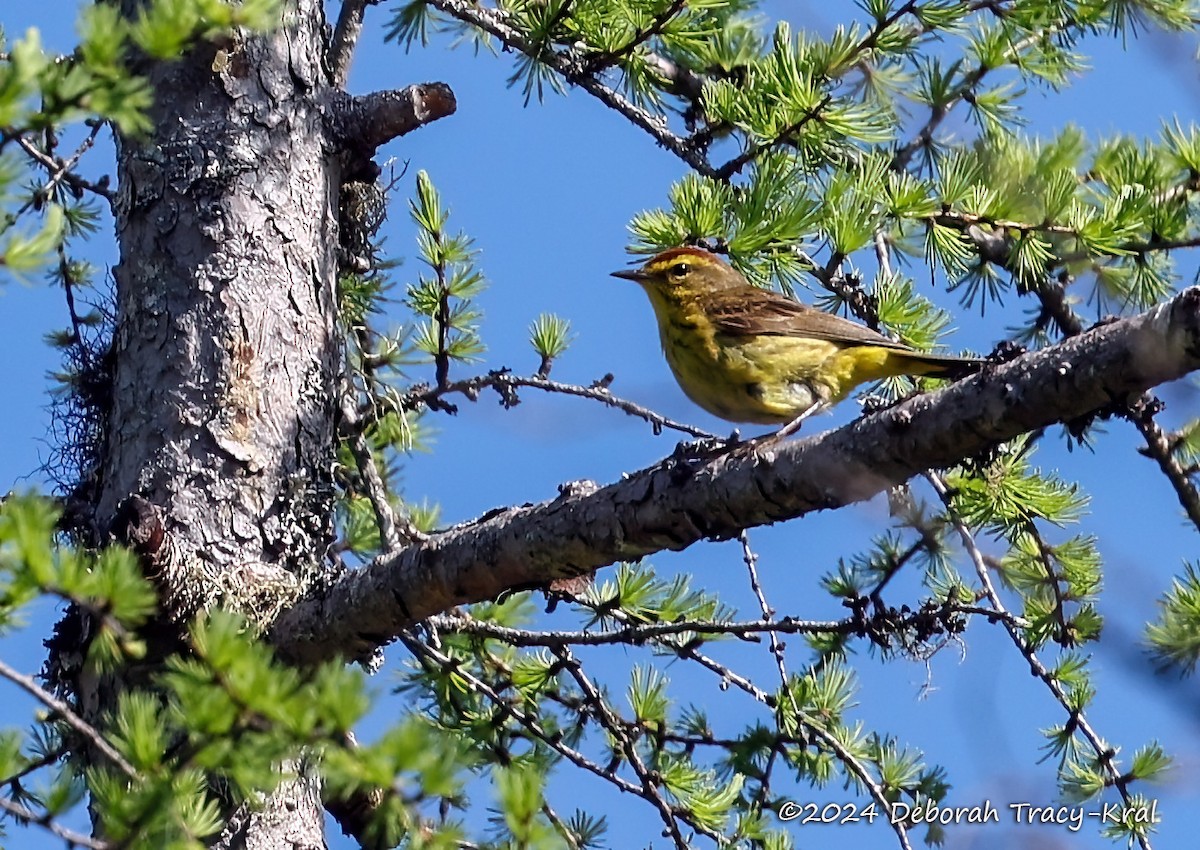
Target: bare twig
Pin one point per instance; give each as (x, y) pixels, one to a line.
(635, 633)
(750, 559)
(564, 831)
(345, 39)
(61, 709)
(504, 381)
(441, 359)
(46, 821)
(390, 527)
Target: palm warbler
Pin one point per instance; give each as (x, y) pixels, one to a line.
(751, 355)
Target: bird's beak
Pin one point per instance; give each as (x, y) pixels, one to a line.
(636, 275)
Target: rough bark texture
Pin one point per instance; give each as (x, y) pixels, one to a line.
(220, 447)
(226, 351)
(290, 818)
(679, 502)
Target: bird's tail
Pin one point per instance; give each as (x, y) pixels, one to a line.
(941, 365)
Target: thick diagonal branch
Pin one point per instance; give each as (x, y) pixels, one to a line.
(678, 503)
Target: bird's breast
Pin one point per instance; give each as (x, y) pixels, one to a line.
(762, 380)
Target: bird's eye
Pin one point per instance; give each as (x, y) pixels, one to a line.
(680, 270)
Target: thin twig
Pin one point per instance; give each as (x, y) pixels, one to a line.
(441, 359)
(1104, 753)
(69, 164)
(750, 559)
(970, 80)
(633, 633)
(60, 708)
(60, 171)
(572, 67)
(564, 831)
(46, 821)
(598, 61)
(36, 764)
(390, 526)
(651, 782)
(554, 740)
(753, 151)
(811, 726)
(503, 381)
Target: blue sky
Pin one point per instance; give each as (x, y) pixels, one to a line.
(546, 192)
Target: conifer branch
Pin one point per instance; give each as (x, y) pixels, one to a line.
(598, 61)
(994, 246)
(573, 68)
(651, 783)
(753, 151)
(553, 739)
(62, 171)
(683, 500)
(1140, 410)
(923, 140)
(1105, 755)
(21, 814)
(63, 711)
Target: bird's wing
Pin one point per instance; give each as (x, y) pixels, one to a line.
(751, 311)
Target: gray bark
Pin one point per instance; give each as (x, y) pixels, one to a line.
(227, 350)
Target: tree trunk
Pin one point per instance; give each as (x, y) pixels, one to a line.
(226, 350)
(227, 354)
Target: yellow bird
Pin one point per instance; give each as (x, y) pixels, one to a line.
(752, 355)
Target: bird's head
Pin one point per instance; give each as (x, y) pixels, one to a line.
(682, 274)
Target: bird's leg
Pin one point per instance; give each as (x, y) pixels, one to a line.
(711, 447)
(786, 431)
(794, 426)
